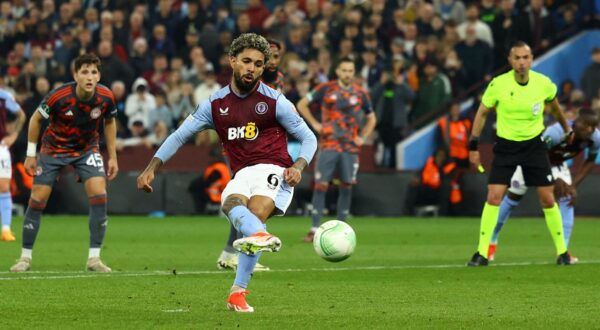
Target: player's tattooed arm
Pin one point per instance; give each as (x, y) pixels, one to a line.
(292, 175)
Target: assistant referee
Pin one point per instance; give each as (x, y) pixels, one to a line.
(519, 97)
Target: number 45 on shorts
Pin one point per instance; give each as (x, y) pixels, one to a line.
(95, 160)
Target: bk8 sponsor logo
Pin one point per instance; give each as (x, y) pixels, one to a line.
(248, 132)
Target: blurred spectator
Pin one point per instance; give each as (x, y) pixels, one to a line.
(370, 72)
(158, 76)
(140, 103)
(65, 50)
(163, 15)
(433, 93)
(567, 23)
(488, 11)
(431, 185)
(136, 28)
(137, 136)
(482, 30)
(537, 26)
(92, 20)
(206, 88)
(565, 90)
(243, 25)
(120, 91)
(450, 10)
(505, 30)
(426, 13)
(85, 44)
(112, 68)
(225, 21)
(190, 22)
(391, 100)
(40, 62)
(256, 13)
(185, 105)
(453, 137)
(162, 113)
(140, 61)
(196, 72)
(454, 70)
(160, 43)
(191, 40)
(25, 82)
(590, 82)
(477, 58)
(106, 34)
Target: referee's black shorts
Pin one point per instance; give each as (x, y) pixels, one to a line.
(532, 155)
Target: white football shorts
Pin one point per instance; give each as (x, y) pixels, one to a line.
(5, 163)
(517, 182)
(261, 180)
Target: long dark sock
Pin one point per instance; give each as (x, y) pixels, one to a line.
(343, 202)
(31, 224)
(318, 202)
(97, 220)
(233, 235)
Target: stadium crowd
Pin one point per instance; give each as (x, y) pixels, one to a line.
(162, 57)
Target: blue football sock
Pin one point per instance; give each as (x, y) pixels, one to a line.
(568, 217)
(6, 208)
(244, 221)
(506, 208)
(245, 268)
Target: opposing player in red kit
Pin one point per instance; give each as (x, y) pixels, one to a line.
(75, 111)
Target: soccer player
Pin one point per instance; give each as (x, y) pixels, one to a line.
(343, 106)
(251, 120)
(228, 259)
(75, 111)
(7, 104)
(587, 136)
(518, 96)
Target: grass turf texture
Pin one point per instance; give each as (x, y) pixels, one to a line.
(405, 273)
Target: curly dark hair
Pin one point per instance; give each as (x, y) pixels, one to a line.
(250, 40)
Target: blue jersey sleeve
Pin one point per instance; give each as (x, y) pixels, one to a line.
(9, 102)
(553, 135)
(595, 147)
(289, 118)
(200, 120)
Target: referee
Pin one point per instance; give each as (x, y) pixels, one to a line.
(519, 97)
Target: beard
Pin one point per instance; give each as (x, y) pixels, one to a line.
(269, 75)
(243, 86)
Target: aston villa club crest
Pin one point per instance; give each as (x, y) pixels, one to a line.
(95, 113)
(261, 108)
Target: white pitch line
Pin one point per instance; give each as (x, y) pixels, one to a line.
(54, 275)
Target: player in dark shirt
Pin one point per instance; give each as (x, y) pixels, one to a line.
(75, 111)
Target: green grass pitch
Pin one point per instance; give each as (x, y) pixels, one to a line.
(405, 273)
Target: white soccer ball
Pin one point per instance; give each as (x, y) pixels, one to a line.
(334, 241)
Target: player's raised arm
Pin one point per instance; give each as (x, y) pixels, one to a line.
(200, 120)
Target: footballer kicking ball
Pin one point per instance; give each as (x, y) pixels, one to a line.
(334, 241)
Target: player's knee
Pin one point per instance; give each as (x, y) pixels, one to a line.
(230, 203)
(4, 185)
(35, 204)
(547, 201)
(494, 198)
(321, 186)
